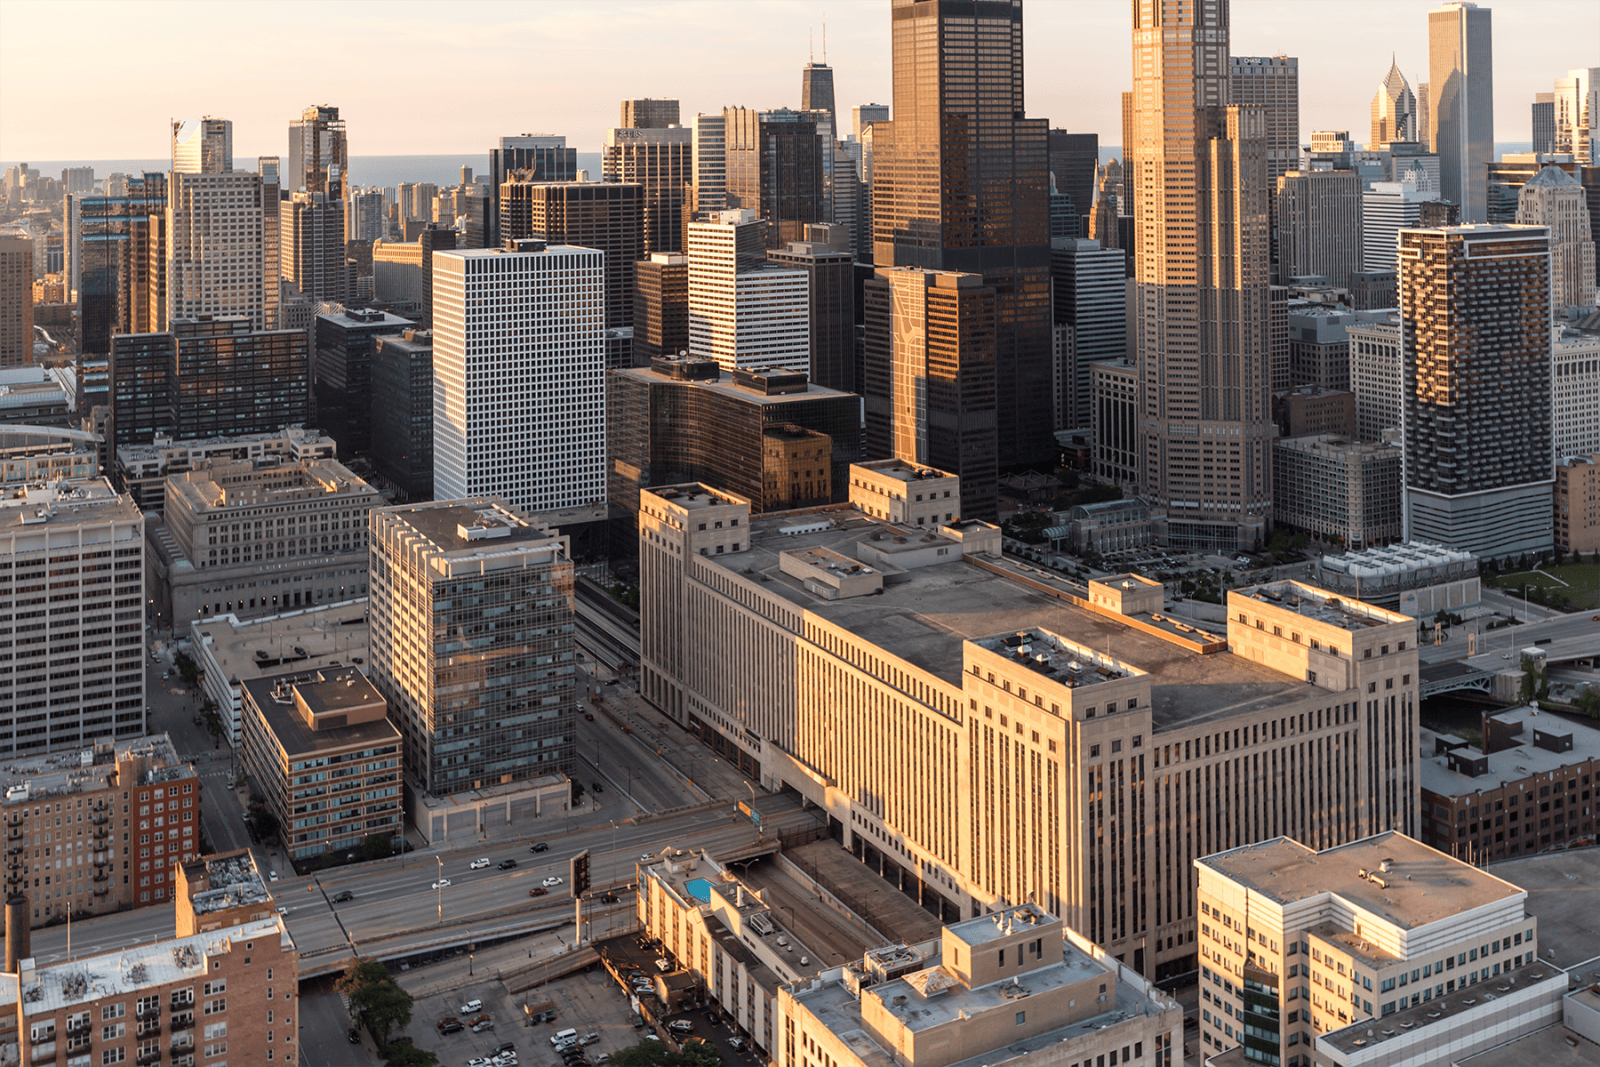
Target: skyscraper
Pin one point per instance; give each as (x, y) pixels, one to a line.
(318, 152)
(1554, 199)
(1386, 209)
(518, 360)
(660, 307)
(1319, 225)
(498, 706)
(1544, 123)
(930, 368)
(775, 168)
(1461, 102)
(744, 313)
(1271, 83)
(16, 300)
(816, 90)
(961, 184)
(661, 161)
(1091, 296)
(216, 253)
(363, 217)
(1476, 358)
(1201, 280)
(1394, 110)
(543, 157)
(1576, 111)
(311, 218)
(648, 114)
(825, 257)
(1074, 157)
(710, 152)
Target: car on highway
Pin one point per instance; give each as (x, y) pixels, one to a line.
(538, 891)
(506, 865)
(343, 896)
(598, 788)
(538, 846)
(553, 880)
(443, 883)
(646, 858)
(282, 910)
(479, 864)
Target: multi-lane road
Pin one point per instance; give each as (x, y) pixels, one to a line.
(396, 910)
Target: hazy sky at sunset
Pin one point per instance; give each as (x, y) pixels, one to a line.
(97, 80)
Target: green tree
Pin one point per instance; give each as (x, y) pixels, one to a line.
(644, 1054)
(376, 1000)
(377, 847)
(397, 1054)
(1588, 702)
(699, 1054)
(264, 824)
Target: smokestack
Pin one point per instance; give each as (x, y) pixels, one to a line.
(17, 946)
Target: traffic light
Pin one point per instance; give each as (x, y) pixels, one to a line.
(579, 874)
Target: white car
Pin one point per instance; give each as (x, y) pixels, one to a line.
(282, 910)
(443, 883)
(272, 876)
(480, 1061)
(479, 864)
(553, 880)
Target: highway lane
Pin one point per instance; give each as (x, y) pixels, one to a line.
(1578, 632)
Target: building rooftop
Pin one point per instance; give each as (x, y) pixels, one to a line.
(76, 770)
(1439, 1010)
(63, 503)
(1323, 606)
(695, 498)
(1437, 773)
(925, 618)
(328, 635)
(288, 480)
(473, 527)
(1398, 558)
(1420, 886)
(1553, 1046)
(902, 471)
(232, 881)
(295, 439)
(323, 690)
(366, 318)
(724, 385)
(132, 970)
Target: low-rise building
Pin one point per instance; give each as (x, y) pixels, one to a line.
(120, 813)
(142, 470)
(1380, 951)
(229, 978)
(46, 454)
(319, 747)
(1577, 504)
(1417, 578)
(1339, 488)
(1526, 786)
(1575, 389)
(1107, 526)
(1016, 985)
(246, 540)
(1311, 409)
(900, 492)
(230, 650)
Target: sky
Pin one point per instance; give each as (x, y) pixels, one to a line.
(102, 80)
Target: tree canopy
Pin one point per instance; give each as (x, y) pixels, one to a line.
(376, 1000)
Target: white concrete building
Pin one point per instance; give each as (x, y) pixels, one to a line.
(73, 673)
(1554, 198)
(1375, 376)
(742, 313)
(215, 249)
(1386, 209)
(519, 374)
(1575, 392)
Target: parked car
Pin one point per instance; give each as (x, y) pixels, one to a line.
(681, 1026)
(506, 865)
(737, 1044)
(470, 1006)
(588, 1039)
(505, 1047)
(449, 1025)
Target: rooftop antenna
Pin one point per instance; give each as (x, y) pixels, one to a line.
(824, 38)
(811, 47)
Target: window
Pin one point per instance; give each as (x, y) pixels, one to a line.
(1022, 1017)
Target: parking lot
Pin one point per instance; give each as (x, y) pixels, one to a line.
(707, 1023)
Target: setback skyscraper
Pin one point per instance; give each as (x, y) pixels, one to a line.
(648, 114)
(1394, 110)
(662, 162)
(775, 167)
(1476, 356)
(961, 183)
(215, 250)
(1200, 212)
(533, 157)
(1461, 102)
(1553, 198)
(312, 216)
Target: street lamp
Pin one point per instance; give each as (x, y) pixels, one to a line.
(469, 952)
(438, 886)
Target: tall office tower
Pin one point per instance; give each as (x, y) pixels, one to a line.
(929, 373)
(76, 180)
(816, 90)
(743, 312)
(214, 242)
(312, 242)
(1554, 199)
(1475, 326)
(648, 114)
(271, 242)
(208, 377)
(1271, 83)
(1074, 158)
(608, 216)
(829, 267)
(661, 161)
(1576, 113)
(1386, 209)
(1394, 110)
(98, 237)
(363, 215)
(1576, 392)
(519, 365)
(1461, 106)
(660, 307)
(319, 154)
(503, 710)
(202, 146)
(1115, 420)
(402, 411)
(1376, 377)
(1091, 296)
(540, 157)
(341, 373)
(418, 202)
(775, 169)
(16, 300)
(709, 150)
(1200, 210)
(1424, 118)
(1544, 123)
(90, 541)
(1319, 225)
(961, 183)
(864, 115)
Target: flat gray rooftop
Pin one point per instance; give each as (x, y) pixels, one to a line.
(438, 523)
(885, 908)
(1424, 886)
(1509, 764)
(1548, 1048)
(1564, 895)
(925, 619)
